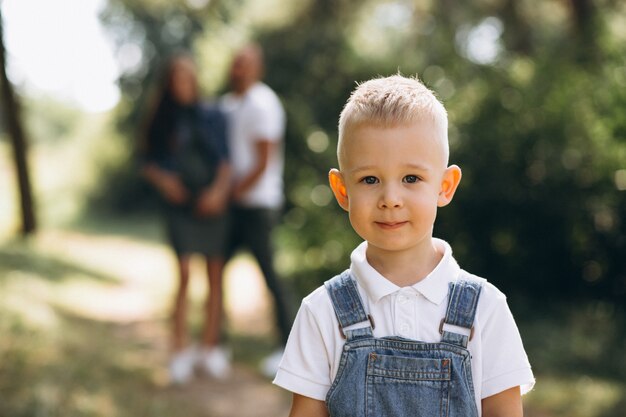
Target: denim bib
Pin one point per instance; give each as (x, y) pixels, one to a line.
(394, 376)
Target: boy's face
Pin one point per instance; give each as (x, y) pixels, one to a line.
(391, 182)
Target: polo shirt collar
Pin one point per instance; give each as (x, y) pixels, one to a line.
(434, 286)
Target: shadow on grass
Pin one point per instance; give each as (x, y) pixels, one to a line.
(80, 368)
(18, 257)
(147, 226)
(56, 362)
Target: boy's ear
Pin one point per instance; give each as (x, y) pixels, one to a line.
(338, 186)
(449, 184)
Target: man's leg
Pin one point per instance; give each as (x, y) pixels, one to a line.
(259, 225)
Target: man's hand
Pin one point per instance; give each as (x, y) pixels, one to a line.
(263, 149)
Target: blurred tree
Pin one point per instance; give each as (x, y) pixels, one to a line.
(11, 113)
(535, 93)
(533, 213)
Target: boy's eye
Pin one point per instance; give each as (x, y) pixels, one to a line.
(369, 180)
(411, 179)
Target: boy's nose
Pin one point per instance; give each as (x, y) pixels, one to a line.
(390, 198)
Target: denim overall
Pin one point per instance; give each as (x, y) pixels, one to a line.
(394, 376)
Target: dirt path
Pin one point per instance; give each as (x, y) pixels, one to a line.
(134, 302)
(243, 394)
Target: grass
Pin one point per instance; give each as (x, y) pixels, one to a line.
(577, 356)
(60, 359)
(84, 368)
(66, 358)
(56, 362)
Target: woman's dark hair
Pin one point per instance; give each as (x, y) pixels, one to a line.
(163, 109)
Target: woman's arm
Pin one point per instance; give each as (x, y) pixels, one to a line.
(302, 406)
(214, 198)
(504, 404)
(169, 185)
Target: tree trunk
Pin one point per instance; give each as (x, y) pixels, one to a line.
(517, 30)
(11, 109)
(587, 28)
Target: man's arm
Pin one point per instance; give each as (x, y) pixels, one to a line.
(302, 406)
(264, 149)
(504, 404)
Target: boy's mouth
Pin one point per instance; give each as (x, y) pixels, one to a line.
(391, 225)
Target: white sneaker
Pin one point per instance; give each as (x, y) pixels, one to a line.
(269, 365)
(215, 362)
(181, 366)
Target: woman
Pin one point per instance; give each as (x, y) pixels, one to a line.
(185, 159)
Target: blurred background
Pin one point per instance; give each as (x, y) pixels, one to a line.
(536, 94)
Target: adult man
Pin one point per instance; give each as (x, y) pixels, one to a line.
(257, 125)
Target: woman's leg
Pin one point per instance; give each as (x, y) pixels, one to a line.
(183, 357)
(214, 310)
(215, 359)
(179, 316)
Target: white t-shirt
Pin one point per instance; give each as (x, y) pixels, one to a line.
(257, 115)
(314, 349)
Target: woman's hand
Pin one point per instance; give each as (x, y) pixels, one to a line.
(172, 188)
(212, 201)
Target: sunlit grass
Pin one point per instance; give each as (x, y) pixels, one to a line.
(81, 368)
(71, 345)
(576, 396)
(577, 356)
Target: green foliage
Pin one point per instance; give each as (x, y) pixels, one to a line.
(540, 161)
(540, 140)
(575, 354)
(535, 93)
(49, 121)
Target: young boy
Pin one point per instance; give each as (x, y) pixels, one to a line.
(405, 331)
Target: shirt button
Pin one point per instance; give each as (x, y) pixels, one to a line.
(403, 299)
(404, 328)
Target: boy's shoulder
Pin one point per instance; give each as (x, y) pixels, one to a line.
(319, 303)
(317, 308)
(317, 298)
(490, 295)
(468, 276)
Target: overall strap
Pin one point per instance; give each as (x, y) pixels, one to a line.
(349, 307)
(458, 326)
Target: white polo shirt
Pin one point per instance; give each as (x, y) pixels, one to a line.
(314, 349)
(254, 116)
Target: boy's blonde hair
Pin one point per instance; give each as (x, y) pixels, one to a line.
(393, 101)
